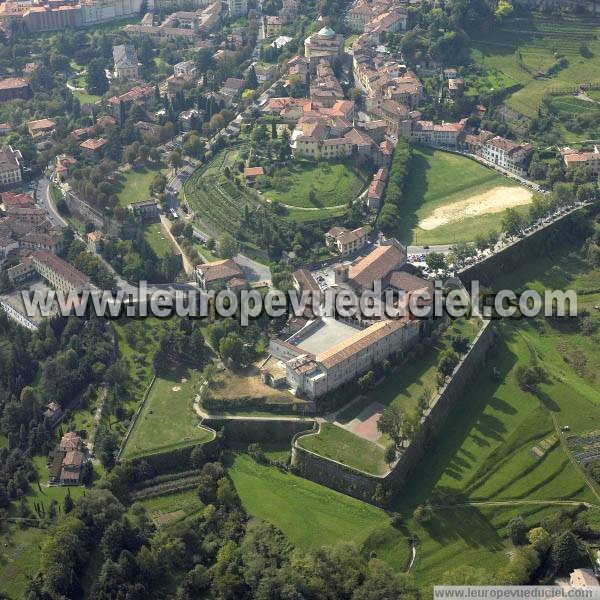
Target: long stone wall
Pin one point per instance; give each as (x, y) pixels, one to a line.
(510, 257)
(241, 432)
(363, 485)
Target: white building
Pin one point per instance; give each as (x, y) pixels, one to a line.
(10, 166)
(126, 62)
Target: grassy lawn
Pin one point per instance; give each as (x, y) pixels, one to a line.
(407, 383)
(44, 494)
(134, 185)
(313, 516)
(305, 216)
(19, 558)
(167, 420)
(172, 507)
(485, 452)
(158, 239)
(539, 41)
(333, 184)
(137, 340)
(439, 179)
(341, 445)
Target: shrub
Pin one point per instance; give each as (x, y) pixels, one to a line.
(423, 513)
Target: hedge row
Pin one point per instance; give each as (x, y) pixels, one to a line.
(389, 217)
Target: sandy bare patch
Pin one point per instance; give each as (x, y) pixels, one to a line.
(493, 201)
(176, 388)
(364, 425)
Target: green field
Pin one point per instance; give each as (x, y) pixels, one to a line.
(19, 558)
(333, 184)
(539, 42)
(44, 494)
(313, 516)
(167, 420)
(134, 185)
(172, 507)
(486, 453)
(439, 179)
(159, 241)
(341, 445)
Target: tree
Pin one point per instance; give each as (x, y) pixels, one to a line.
(251, 80)
(227, 246)
(390, 423)
(193, 146)
(513, 222)
(423, 513)
(390, 454)
(517, 531)
(460, 344)
(565, 552)
(366, 381)
(435, 261)
(175, 160)
(96, 81)
(448, 361)
(528, 377)
(67, 502)
(230, 348)
(540, 539)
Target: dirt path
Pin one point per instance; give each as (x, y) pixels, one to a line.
(495, 200)
(187, 265)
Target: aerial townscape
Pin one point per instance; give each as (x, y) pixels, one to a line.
(409, 149)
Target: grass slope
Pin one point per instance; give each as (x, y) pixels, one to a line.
(334, 184)
(19, 558)
(538, 41)
(158, 239)
(486, 450)
(167, 420)
(437, 178)
(314, 516)
(341, 445)
(134, 185)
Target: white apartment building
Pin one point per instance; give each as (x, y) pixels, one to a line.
(10, 166)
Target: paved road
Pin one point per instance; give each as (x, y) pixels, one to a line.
(44, 199)
(441, 248)
(253, 270)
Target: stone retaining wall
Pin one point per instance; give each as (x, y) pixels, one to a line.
(363, 485)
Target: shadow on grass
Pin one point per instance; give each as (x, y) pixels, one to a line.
(446, 457)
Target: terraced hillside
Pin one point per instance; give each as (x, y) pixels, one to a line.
(528, 50)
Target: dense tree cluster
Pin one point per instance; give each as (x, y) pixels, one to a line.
(390, 215)
(218, 553)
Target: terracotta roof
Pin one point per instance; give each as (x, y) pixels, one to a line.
(253, 171)
(60, 266)
(11, 83)
(221, 269)
(93, 144)
(73, 458)
(12, 199)
(402, 280)
(376, 265)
